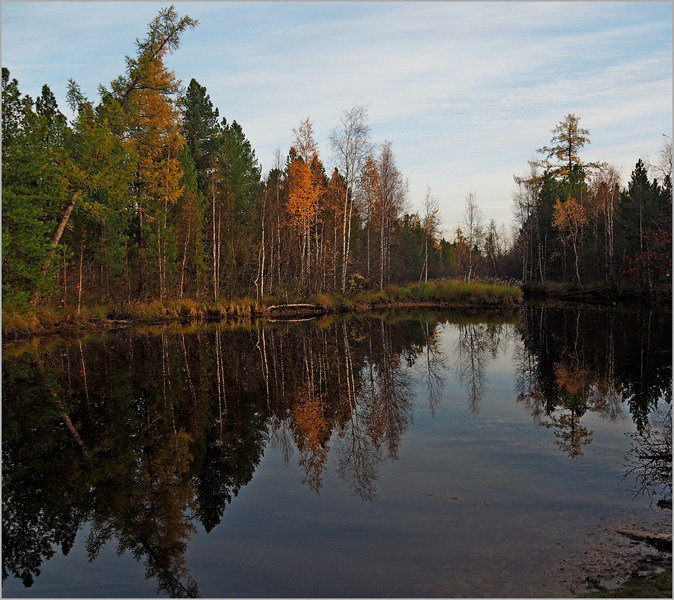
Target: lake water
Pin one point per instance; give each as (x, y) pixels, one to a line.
(408, 454)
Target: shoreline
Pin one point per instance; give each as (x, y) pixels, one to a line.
(598, 294)
(21, 324)
(67, 323)
(450, 294)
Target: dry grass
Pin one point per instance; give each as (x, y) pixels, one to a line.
(447, 292)
(25, 321)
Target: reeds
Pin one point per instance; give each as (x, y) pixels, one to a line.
(21, 322)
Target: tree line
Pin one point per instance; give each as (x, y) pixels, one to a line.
(149, 193)
(576, 224)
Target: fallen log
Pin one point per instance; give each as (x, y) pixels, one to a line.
(294, 310)
(280, 306)
(291, 320)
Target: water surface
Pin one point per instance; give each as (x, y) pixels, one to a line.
(417, 454)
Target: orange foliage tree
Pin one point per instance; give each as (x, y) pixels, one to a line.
(569, 218)
(155, 141)
(305, 190)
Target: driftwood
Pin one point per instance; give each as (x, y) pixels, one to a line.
(291, 320)
(660, 541)
(283, 306)
(294, 310)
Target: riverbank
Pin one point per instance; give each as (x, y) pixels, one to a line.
(17, 323)
(652, 586)
(599, 292)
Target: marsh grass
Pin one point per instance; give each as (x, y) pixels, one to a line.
(24, 321)
(446, 293)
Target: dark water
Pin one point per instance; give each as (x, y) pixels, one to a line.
(409, 455)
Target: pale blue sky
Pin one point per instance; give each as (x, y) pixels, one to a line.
(465, 91)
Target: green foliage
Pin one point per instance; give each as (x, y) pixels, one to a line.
(32, 190)
(200, 128)
(241, 172)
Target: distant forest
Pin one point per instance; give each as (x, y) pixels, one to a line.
(150, 194)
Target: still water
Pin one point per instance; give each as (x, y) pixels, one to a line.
(408, 454)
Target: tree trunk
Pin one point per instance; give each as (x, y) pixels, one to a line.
(426, 259)
(184, 261)
(367, 233)
(79, 284)
(575, 255)
(64, 219)
(57, 238)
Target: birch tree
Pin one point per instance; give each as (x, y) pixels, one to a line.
(474, 233)
(391, 196)
(350, 143)
(430, 224)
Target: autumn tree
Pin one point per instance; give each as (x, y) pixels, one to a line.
(147, 94)
(157, 142)
(369, 189)
(570, 217)
(304, 191)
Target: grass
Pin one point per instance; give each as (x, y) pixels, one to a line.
(23, 321)
(449, 292)
(653, 586)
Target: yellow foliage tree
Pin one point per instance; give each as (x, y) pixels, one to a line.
(569, 218)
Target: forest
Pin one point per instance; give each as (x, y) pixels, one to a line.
(150, 194)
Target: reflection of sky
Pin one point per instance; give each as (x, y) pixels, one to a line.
(278, 538)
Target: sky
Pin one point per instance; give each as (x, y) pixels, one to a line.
(465, 91)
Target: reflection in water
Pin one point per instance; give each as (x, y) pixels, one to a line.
(478, 343)
(575, 360)
(435, 365)
(138, 432)
(649, 459)
(143, 434)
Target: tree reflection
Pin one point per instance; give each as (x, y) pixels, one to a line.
(477, 344)
(152, 523)
(145, 434)
(568, 365)
(573, 385)
(649, 459)
(313, 434)
(435, 365)
(132, 439)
